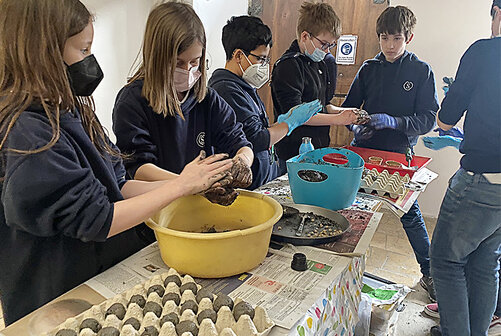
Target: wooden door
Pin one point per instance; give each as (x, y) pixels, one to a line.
(358, 17)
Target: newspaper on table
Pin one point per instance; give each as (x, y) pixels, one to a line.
(286, 294)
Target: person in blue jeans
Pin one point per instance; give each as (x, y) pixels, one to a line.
(398, 91)
(453, 138)
(466, 244)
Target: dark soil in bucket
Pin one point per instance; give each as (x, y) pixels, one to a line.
(312, 175)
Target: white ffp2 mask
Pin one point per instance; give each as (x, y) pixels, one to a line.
(256, 75)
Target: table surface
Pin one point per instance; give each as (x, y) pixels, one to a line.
(337, 307)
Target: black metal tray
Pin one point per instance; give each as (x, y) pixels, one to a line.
(285, 229)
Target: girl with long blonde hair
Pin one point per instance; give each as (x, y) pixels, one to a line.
(67, 212)
(165, 115)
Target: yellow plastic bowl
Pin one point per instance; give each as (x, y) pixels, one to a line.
(250, 220)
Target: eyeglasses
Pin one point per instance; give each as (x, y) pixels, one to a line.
(263, 60)
(324, 45)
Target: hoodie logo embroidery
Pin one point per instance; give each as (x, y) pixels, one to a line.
(201, 139)
(408, 86)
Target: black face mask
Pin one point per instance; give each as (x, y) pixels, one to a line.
(85, 76)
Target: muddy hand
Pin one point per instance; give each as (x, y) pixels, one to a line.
(201, 173)
(362, 117)
(221, 195)
(241, 172)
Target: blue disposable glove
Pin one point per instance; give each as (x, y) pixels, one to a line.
(382, 120)
(440, 142)
(455, 132)
(300, 114)
(362, 132)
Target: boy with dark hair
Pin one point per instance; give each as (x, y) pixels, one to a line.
(466, 245)
(301, 75)
(398, 91)
(247, 42)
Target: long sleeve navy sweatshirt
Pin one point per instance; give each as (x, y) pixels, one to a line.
(55, 213)
(477, 91)
(171, 142)
(250, 111)
(404, 89)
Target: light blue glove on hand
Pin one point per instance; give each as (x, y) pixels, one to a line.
(440, 142)
(300, 114)
(455, 132)
(382, 120)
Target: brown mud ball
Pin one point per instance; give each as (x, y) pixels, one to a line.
(172, 278)
(156, 288)
(189, 304)
(134, 322)
(222, 195)
(243, 308)
(223, 300)
(150, 331)
(154, 307)
(171, 317)
(189, 286)
(109, 331)
(204, 293)
(187, 326)
(137, 299)
(171, 296)
(92, 324)
(116, 309)
(207, 313)
(66, 332)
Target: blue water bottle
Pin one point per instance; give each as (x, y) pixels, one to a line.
(306, 145)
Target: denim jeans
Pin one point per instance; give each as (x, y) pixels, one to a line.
(465, 252)
(415, 229)
(497, 312)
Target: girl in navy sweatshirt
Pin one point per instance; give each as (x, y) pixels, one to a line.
(67, 212)
(165, 115)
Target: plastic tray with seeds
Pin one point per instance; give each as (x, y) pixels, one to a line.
(320, 225)
(168, 305)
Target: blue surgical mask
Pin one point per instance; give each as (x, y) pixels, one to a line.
(317, 55)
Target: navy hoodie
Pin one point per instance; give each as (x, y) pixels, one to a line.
(171, 142)
(404, 89)
(297, 79)
(477, 90)
(55, 213)
(250, 111)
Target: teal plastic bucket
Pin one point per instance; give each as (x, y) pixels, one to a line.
(316, 181)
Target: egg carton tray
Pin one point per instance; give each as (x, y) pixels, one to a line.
(383, 183)
(168, 305)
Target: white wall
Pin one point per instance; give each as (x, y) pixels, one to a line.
(118, 34)
(444, 30)
(214, 14)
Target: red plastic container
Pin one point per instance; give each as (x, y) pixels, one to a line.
(335, 158)
(365, 153)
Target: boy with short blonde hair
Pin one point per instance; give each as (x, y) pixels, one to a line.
(301, 75)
